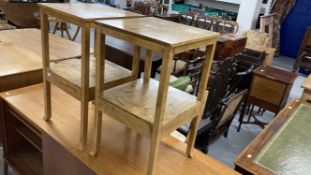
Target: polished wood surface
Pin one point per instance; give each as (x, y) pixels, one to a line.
(245, 161)
(159, 31)
(139, 98)
(87, 12)
(21, 59)
(123, 150)
(270, 52)
(30, 39)
(270, 87)
(306, 95)
(68, 72)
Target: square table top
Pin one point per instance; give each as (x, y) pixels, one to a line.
(276, 73)
(160, 31)
(88, 12)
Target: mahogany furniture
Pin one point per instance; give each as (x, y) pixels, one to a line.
(145, 105)
(269, 90)
(306, 96)
(82, 84)
(270, 52)
(50, 148)
(283, 147)
(21, 56)
(229, 45)
(303, 59)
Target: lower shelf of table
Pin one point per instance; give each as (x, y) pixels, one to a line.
(66, 74)
(134, 104)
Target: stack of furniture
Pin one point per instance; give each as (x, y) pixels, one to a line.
(303, 59)
(77, 76)
(145, 105)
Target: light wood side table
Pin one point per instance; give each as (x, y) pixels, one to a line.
(81, 84)
(306, 95)
(145, 105)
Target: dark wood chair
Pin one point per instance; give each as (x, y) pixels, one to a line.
(225, 26)
(142, 8)
(220, 123)
(187, 18)
(204, 22)
(303, 59)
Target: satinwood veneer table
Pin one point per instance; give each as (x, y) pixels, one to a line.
(83, 15)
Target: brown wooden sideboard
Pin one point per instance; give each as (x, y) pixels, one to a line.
(51, 148)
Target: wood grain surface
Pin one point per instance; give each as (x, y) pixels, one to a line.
(123, 151)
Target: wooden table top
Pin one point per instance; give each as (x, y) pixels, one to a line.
(261, 48)
(276, 73)
(88, 12)
(30, 39)
(307, 83)
(20, 50)
(123, 151)
(283, 147)
(159, 31)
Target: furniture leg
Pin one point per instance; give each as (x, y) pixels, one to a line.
(76, 34)
(67, 32)
(55, 27)
(85, 67)
(135, 63)
(148, 65)
(160, 108)
(5, 168)
(192, 136)
(100, 70)
(46, 64)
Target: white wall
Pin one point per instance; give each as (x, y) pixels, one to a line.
(248, 14)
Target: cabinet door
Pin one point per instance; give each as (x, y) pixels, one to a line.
(57, 160)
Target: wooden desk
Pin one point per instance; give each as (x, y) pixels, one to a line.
(83, 15)
(21, 58)
(283, 147)
(306, 96)
(124, 151)
(270, 52)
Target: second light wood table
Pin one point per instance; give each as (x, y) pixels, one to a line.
(151, 107)
(83, 15)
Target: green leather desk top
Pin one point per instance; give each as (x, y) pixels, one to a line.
(289, 150)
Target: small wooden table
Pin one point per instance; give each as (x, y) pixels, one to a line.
(270, 52)
(269, 90)
(21, 56)
(151, 107)
(51, 148)
(83, 15)
(306, 96)
(283, 147)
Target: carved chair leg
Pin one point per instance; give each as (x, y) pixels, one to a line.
(5, 168)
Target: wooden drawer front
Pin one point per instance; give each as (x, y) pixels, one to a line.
(267, 89)
(306, 97)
